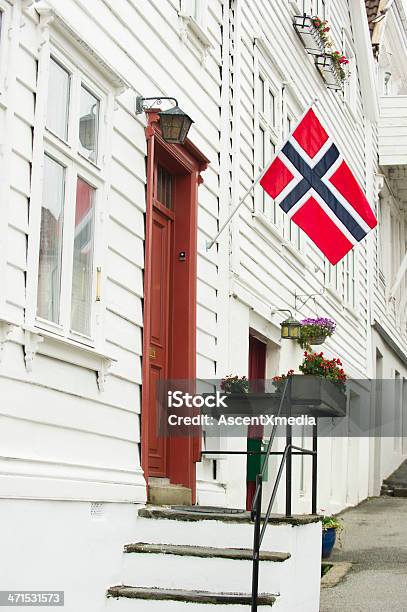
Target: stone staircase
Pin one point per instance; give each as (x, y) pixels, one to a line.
(189, 558)
(396, 484)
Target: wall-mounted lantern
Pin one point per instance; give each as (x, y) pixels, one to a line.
(290, 327)
(175, 123)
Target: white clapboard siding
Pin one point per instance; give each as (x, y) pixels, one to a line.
(75, 423)
(393, 130)
(267, 269)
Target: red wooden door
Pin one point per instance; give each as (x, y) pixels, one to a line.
(159, 311)
(169, 339)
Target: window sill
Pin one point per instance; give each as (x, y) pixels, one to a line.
(49, 344)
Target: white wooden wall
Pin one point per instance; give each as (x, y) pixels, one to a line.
(66, 438)
(61, 437)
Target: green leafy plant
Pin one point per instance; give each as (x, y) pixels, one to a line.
(331, 522)
(234, 384)
(340, 61)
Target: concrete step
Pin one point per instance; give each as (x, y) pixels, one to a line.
(300, 536)
(161, 600)
(396, 480)
(221, 530)
(161, 493)
(204, 551)
(200, 568)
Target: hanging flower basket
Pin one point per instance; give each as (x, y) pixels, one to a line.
(332, 68)
(315, 331)
(312, 32)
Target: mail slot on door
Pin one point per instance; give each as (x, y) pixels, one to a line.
(152, 353)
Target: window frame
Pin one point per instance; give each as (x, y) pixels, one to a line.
(291, 232)
(67, 153)
(312, 7)
(271, 130)
(336, 280)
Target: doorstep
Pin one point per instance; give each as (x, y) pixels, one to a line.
(227, 515)
(162, 493)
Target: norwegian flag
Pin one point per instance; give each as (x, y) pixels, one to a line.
(313, 184)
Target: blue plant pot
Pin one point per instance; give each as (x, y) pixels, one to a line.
(328, 541)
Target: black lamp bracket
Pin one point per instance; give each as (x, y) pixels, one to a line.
(273, 312)
(304, 297)
(155, 100)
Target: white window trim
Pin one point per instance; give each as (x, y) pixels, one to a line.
(297, 8)
(262, 69)
(97, 175)
(266, 69)
(340, 294)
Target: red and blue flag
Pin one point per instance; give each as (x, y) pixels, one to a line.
(312, 183)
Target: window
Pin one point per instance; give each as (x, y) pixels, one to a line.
(266, 96)
(341, 278)
(72, 184)
(58, 99)
(82, 274)
(314, 7)
(50, 260)
(291, 231)
(88, 124)
(350, 281)
(334, 277)
(380, 236)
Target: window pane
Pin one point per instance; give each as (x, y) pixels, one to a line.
(164, 187)
(49, 269)
(262, 147)
(82, 274)
(261, 93)
(58, 99)
(272, 108)
(89, 124)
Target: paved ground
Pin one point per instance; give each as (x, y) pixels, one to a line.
(374, 539)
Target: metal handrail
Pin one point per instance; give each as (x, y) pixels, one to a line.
(259, 531)
(269, 445)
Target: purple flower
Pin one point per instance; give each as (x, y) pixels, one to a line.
(325, 322)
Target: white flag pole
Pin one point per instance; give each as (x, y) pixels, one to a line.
(210, 243)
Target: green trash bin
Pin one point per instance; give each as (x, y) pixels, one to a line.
(255, 462)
